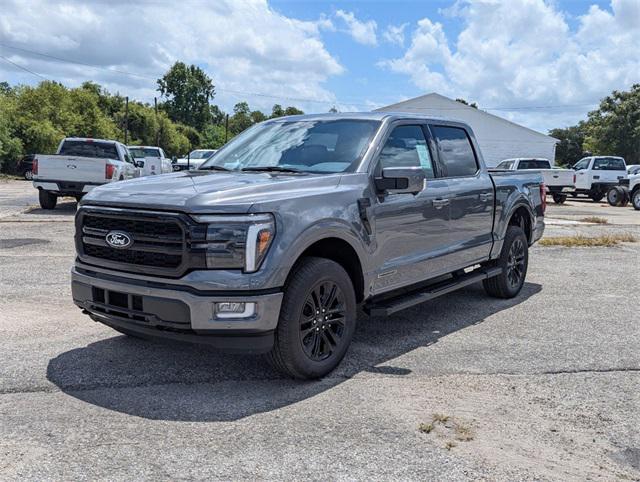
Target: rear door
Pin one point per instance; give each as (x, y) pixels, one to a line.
(411, 230)
(608, 169)
(471, 193)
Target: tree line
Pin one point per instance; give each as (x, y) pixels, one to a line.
(612, 129)
(34, 119)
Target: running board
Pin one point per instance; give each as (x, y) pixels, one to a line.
(401, 302)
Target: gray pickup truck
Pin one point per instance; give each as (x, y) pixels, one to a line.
(273, 242)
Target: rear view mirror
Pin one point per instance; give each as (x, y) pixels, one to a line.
(397, 180)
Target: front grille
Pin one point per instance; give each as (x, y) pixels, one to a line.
(160, 245)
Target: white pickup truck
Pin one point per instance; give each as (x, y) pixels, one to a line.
(79, 165)
(151, 160)
(193, 160)
(596, 175)
(557, 181)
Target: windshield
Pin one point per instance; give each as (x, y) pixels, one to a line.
(609, 164)
(321, 146)
(200, 154)
(89, 148)
(144, 152)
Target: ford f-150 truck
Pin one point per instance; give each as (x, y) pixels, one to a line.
(270, 246)
(79, 165)
(558, 181)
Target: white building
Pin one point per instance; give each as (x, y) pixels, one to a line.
(498, 138)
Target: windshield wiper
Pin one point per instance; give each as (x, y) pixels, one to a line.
(271, 169)
(213, 168)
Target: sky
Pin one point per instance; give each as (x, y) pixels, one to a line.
(543, 64)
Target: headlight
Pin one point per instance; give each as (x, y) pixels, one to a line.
(237, 242)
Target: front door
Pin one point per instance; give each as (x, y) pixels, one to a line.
(583, 180)
(410, 229)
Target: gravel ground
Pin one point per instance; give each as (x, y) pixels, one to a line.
(542, 387)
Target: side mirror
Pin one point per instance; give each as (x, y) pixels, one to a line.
(174, 159)
(399, 180)
(139, 163)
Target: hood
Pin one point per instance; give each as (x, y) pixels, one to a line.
(209, 191)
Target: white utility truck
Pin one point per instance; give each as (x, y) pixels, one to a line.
(79, 165)
(151, 160)
(557, 181)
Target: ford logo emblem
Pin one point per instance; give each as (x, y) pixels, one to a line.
(118, 239)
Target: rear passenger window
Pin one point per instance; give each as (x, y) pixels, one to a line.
(407, 147)
(456, 152)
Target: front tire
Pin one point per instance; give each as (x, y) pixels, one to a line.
(514, 260)
(47, 199)
(317, 320)
(596, 197)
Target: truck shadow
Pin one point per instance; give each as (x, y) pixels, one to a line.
(65, 207)
(194, 383)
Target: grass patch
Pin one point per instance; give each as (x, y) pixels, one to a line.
(594, 220)
(425, 427)
(9, 177)
(450, 444)
(589, 242)
(438, 417)
(463, 432)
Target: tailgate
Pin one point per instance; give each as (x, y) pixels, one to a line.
(557, 177)
(71, 168)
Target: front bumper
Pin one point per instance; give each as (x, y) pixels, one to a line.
(176, 314)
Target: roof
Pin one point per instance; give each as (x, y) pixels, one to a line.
(375, 116)
(458, 106)
(91, 139)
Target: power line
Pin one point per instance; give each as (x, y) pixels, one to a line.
(23, 68)
(277, 97)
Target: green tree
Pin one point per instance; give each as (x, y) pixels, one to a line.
(614, 128)
(241, 118)
(569, 150)
(277, 111)
(187, 90)
(292, 111)
(463, 101)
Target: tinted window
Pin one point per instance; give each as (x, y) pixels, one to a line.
(456, 152)
(407, 147)
(609, 164)
(534, 164)
(89, 149)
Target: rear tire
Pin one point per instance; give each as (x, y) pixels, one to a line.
(514, 260)
(317, 320)
(47, 199)
(596, 197)
(28, 175)
(559, 198)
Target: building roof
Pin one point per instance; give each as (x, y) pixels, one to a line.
(455, 106)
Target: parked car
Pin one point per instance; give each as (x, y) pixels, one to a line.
(152, 160)
(558, 181)
(79, 165)
(633, 169)
(24, 166)
(300, 220)
(194, 160)
(595, 175)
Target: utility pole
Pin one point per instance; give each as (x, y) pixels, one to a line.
(226, 128)
(126, 120)
(155, 107)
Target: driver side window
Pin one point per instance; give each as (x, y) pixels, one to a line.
(582, 164)
(407, 147)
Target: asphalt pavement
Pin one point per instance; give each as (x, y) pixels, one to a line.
(542, 387)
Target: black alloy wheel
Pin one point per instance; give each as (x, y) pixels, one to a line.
(516, 263)
(322, 321)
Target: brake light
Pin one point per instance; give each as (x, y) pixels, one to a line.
(543, 197)
(34, 167)
(109, 171)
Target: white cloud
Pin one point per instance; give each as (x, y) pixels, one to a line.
(363, 32)
(395, 34)
(243, 45)
(523, 53)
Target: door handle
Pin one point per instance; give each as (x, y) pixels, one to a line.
(440, 203)
(485, 196)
